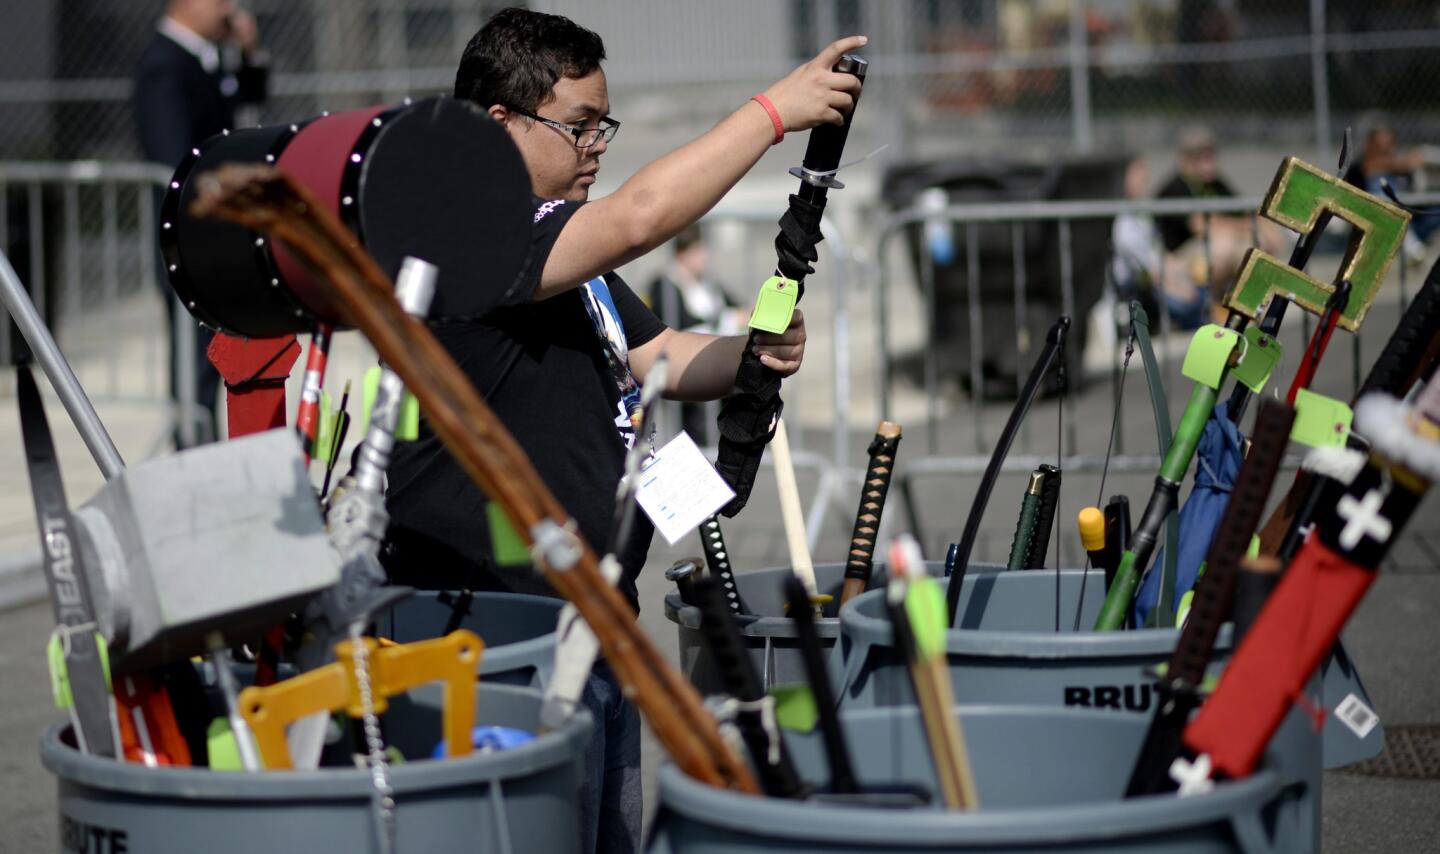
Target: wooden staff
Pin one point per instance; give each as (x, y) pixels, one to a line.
(264, 199)
(792, 514)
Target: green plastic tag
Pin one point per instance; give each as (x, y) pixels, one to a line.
(925, 606)
(220, 745)
(408, 429)
(1208, 354)
(1320, 421)
(60, 674)
(1262, 354)
(1254, 550)
(795, 708)
(775, 304)
(506, 543)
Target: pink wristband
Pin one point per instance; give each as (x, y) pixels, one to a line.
(774, 116)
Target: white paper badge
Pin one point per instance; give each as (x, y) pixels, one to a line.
(1359, 717)
(679, 489)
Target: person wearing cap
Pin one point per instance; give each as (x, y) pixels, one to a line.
(1197, 176)
(560, 360)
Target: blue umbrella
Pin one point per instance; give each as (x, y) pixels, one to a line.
(1217, 464)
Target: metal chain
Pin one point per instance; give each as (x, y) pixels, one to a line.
(382, 802)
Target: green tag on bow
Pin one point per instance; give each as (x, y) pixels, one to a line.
(1262, 354)
(775, 305)
(408, 428)
(929, 615)
(1320, 421)
(506, 544)
(795, 707)
(1208, 353)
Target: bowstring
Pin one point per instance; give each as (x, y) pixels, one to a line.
(1105, 469)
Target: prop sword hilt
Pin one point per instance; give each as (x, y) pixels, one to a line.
(861, 560)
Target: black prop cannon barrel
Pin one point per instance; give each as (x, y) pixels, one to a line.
(749, 414)
(437, 179)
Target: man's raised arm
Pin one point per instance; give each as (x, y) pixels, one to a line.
(679, 188)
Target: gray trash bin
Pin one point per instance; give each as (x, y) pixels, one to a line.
(1007, 651)
(518, 630)
(1049, 779)
(518, 800)
(769, 634)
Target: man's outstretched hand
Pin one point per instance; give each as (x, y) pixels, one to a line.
(813, 94)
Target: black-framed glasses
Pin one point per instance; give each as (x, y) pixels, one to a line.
(584, 137)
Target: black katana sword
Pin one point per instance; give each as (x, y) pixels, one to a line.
(749, 414)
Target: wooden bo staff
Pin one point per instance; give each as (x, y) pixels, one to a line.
(861, 560)
(262, 198)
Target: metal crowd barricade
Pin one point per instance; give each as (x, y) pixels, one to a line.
(82, 236)
(966, 220)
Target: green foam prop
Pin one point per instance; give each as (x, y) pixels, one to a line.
(775, 305)
(220, 745)
(1297, 197)
(508, 547)
(325, 420)
(408, 428)
(929, 615)
(60, 674)
(1208, 354)
(795, 708)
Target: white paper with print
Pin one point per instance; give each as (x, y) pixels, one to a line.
(679, 489)
(1360, 718)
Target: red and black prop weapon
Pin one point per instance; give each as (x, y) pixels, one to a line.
(1214, 594)
(749, 414)
(1354, 529)
(1053, 351)
(258, 197)
(861, 560)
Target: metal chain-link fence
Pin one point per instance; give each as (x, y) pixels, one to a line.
(1089, 73)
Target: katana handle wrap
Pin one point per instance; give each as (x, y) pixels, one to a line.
(738, 678)
(748, 414)
(717, 563)
(1024, 531)
(1054, 345)
(1045, 518)
(861, 560)
(1213, 597)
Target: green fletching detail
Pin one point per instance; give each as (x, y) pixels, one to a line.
(925, 606)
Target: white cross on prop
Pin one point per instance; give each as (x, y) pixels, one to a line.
(1192, 777)
(1363, 518)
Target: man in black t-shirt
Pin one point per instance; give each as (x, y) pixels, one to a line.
(560, 355)
(1197, 176)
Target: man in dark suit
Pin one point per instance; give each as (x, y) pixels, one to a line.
(203, 61)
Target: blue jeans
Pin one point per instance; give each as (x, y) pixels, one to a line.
(611, 799)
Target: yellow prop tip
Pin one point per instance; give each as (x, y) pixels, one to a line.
(1092, 529)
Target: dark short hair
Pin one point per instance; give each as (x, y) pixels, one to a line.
(519, 55)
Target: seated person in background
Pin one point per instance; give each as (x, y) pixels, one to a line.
(1209, 248)
(1141, 269)
(1382, 160)
(685, 298)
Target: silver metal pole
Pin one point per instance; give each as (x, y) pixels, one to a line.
(1320, 81)
(62, 378)
(1080, 79)
(183, 339)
